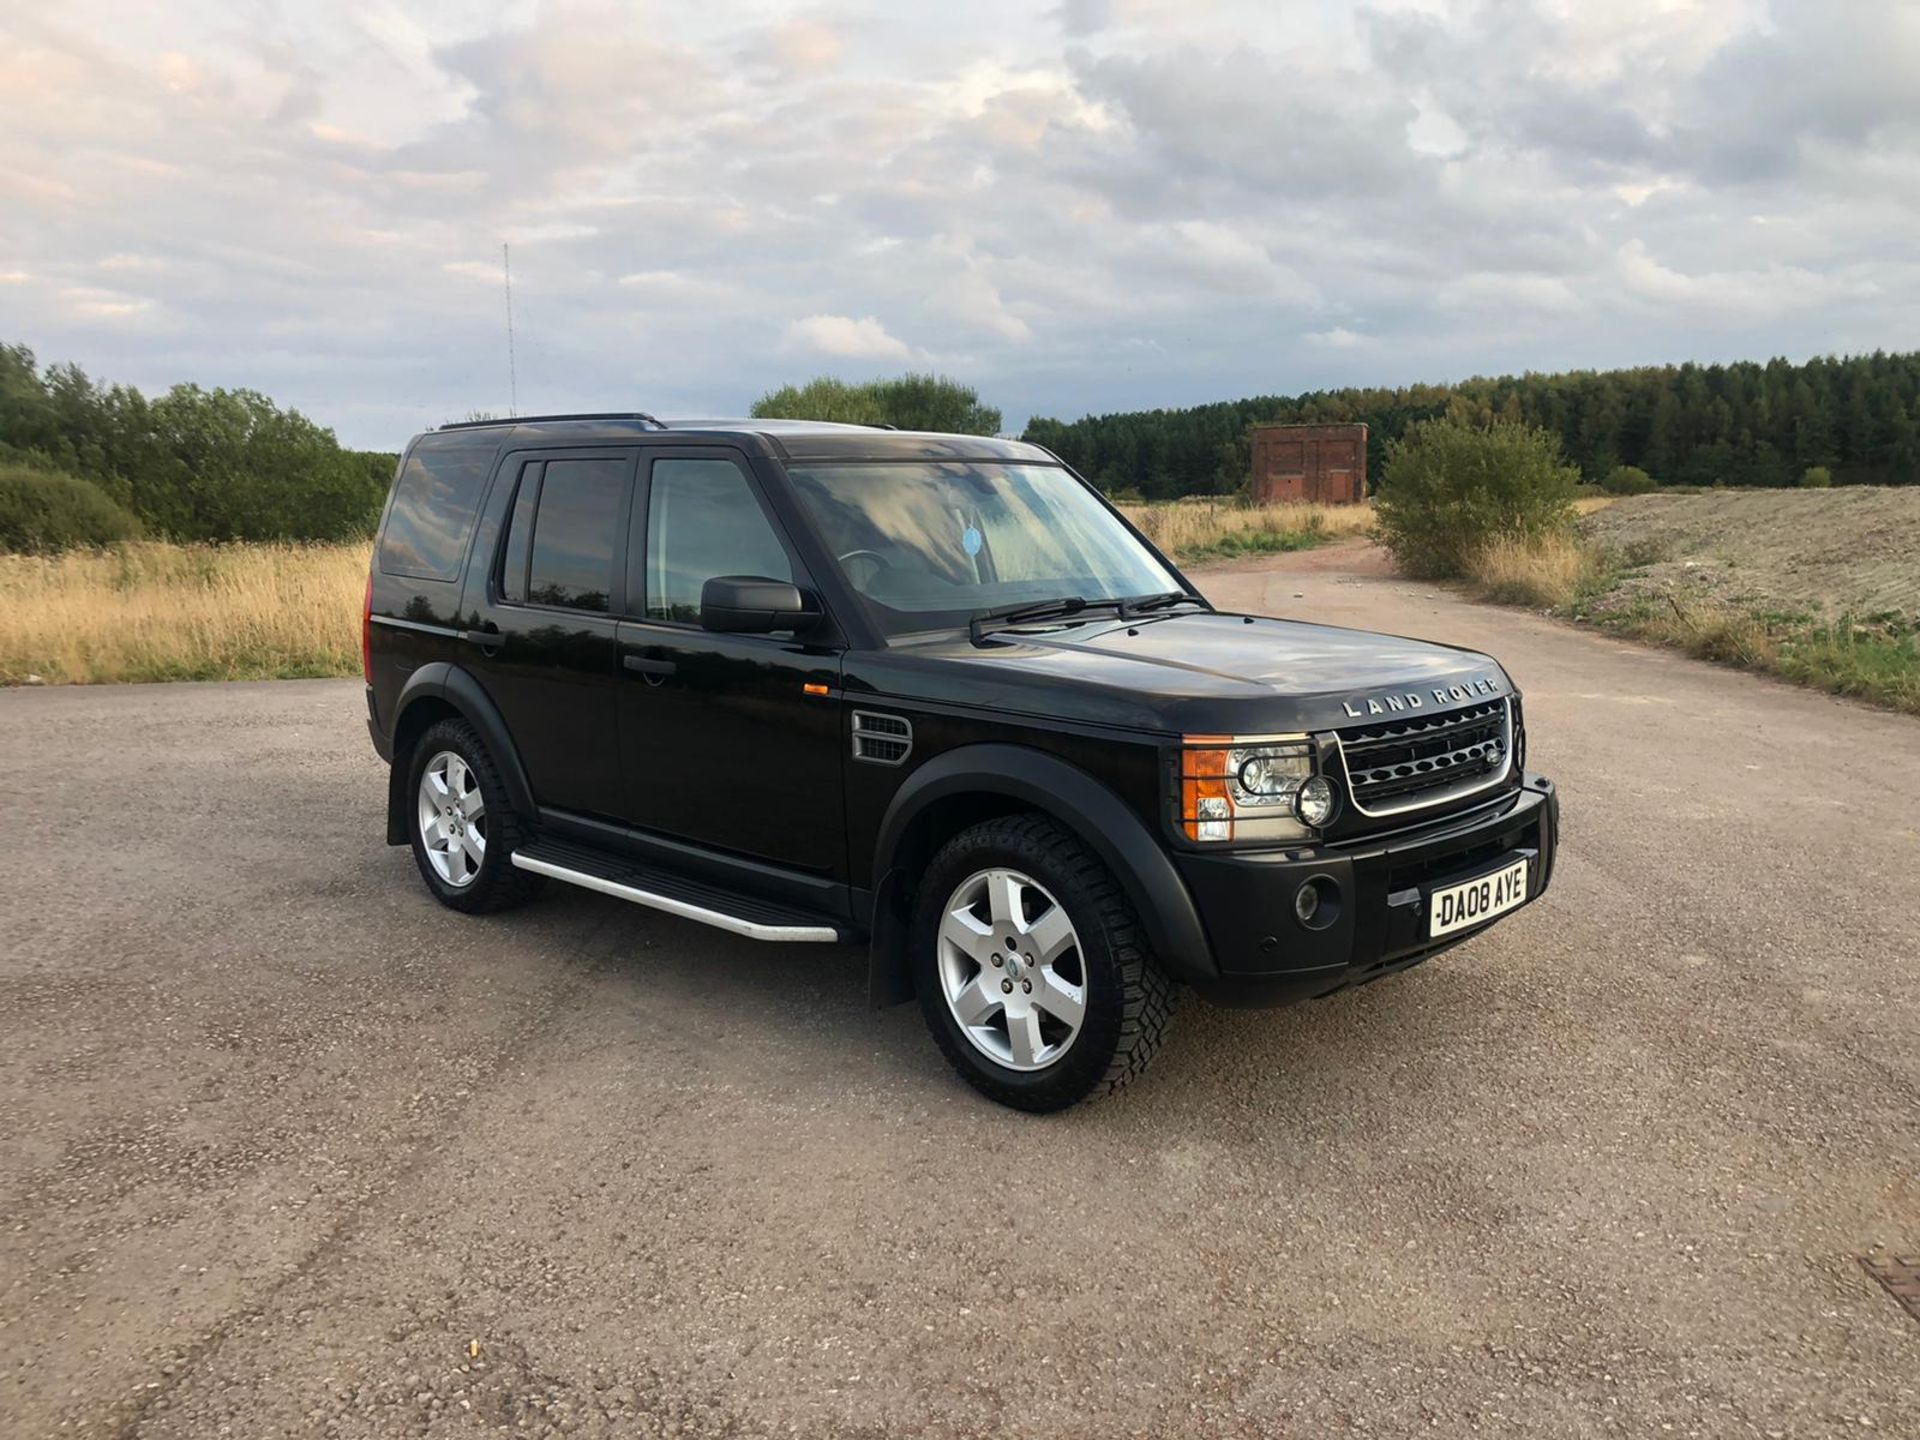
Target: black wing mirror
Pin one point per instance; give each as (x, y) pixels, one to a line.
(752, 605)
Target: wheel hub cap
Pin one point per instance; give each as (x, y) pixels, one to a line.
(1011, 970)
(452, 819)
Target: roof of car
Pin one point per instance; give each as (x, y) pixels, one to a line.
(790, 439)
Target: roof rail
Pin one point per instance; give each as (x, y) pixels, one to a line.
(537, 419)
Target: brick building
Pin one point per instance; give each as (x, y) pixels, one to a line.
(1323, 463)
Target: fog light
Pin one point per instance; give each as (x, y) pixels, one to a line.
(1316, 904)
(1313, 802)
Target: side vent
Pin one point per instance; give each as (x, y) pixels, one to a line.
(882, 739)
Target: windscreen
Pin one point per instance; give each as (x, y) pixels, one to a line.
(933, 544)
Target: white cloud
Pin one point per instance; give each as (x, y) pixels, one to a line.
(1115, 203)
(93, 303)
(1497, 293)
(797, 47)
(1337, 338)
(845, 338)
(1767, 291)
(1432, 131)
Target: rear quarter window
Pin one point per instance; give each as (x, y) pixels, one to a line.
(434, 502)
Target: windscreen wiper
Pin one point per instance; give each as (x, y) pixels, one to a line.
(1032, 610)
(1145, 604)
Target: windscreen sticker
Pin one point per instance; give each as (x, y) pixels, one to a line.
(970, 540)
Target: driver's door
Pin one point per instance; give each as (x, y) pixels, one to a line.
(724, 743)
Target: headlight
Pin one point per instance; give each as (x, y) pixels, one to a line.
(1234, 788)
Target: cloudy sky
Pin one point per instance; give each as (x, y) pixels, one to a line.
(1096, 205)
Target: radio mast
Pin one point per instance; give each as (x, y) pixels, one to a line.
(513, 377)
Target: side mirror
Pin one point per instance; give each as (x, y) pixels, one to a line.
(752, 605)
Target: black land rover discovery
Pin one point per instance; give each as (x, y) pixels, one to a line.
(811, 682)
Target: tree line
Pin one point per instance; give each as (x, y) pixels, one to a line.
(197, 464)
(1857, 417)
(191, 464)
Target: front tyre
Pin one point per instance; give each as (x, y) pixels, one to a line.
(464, 827)
(1031, 967)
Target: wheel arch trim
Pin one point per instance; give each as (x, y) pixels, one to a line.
(1053, 787)
(458, 689)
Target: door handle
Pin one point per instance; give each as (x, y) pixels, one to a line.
(486, 639)
(645, 666)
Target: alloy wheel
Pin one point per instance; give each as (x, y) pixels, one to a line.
(453, 819)
(1010, 967)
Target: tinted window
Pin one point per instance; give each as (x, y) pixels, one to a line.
(434, 502)
(513, 566)
(703, 521)
(575, 520)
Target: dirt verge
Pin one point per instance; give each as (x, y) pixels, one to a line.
(1811, 554)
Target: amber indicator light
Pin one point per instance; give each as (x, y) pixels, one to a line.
(1203, 776)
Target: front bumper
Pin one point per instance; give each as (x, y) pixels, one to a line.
(1378, 925)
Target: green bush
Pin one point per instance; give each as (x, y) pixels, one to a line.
(42, 511)
(911, 402)
(1627, 480)
(1448, 489)
(1817, 477)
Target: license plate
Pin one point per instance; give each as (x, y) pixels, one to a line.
(1474, 901)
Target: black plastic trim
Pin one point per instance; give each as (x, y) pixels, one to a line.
(775, 884)
(443, 681)
(1073, 797)
(545, 419)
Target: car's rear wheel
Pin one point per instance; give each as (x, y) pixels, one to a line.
(464, 827)
(1033, 972)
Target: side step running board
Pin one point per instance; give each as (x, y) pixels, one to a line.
(658, 890)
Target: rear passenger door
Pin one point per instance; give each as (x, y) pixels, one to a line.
(552, 594)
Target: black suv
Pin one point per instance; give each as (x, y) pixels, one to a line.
(812, 682)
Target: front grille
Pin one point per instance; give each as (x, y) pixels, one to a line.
(1412, 762)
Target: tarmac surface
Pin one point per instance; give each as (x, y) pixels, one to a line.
(285, 1148)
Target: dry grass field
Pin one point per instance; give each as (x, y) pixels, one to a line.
(1192, 530)
(153, 611)
(1814, 586)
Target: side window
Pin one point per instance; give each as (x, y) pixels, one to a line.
(434, 500)
(513, 565)
(561, 537)
(703, 521)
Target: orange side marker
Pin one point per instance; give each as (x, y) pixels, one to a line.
(813, 689)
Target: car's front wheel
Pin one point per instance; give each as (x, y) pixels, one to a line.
(1032, 970)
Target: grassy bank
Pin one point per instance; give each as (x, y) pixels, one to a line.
(1873, 658)
(1193, 531)
(155, 611)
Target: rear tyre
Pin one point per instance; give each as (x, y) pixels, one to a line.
(1032, 969)
(464, 828)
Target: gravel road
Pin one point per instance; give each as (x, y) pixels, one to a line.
(287, 1149)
